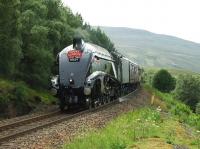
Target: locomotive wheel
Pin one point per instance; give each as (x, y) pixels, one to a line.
(96, 94)
(62, 105)
(107, 88)
(107, 98)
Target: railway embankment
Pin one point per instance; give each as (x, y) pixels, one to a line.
(17, 99)
(164, 123)
(65, 132)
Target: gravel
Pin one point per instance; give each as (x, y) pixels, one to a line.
(55, 136)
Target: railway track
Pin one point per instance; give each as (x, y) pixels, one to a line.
(27, 120)
(15, 129)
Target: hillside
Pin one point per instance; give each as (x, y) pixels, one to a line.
(155, 50)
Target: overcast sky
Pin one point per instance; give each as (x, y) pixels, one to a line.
(179, 18)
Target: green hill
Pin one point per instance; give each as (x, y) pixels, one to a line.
(155, 50)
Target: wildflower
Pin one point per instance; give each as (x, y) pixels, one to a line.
(158, 109)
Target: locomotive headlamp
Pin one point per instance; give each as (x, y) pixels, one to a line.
(89, 82)
(71, 81)
(87, 91)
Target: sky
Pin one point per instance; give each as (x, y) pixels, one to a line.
(179, 18)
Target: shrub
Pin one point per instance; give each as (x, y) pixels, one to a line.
(182, 111)
(198, 108)
(147, 77)
(20, 92)
(163, 81)
(16, 98)
(188, 90)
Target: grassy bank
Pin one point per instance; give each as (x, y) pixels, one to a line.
(144, 128)
(171, 124)
(175, 107)
(16, 98)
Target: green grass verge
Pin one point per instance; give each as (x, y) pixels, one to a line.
(135, 129)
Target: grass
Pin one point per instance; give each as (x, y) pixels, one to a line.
(140, 129)
(177, 108)
(21, 97)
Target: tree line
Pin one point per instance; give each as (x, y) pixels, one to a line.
(33, 32)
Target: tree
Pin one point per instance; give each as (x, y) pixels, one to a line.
(35, 67)
(98, 37)
(10, 37)
(32, 33)
(163, 81)
(188, 90)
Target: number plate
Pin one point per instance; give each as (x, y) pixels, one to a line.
(74, 55)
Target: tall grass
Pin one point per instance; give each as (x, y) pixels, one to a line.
(177, 108)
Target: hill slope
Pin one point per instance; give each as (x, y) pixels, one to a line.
(155, 50)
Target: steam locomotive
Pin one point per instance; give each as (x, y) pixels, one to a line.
(89, 75)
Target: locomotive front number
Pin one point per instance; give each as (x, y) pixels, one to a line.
(74, 55)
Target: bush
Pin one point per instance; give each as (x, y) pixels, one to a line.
(198, 108)
(163, 81)
(16, 98)
(188, 90)
(182, 111)
(147, 76)
(20, 92)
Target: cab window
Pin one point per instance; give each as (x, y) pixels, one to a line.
(101, 65)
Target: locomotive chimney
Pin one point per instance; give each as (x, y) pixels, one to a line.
(78, 43)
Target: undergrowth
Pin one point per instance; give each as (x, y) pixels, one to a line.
(177, 108)
(20, 98)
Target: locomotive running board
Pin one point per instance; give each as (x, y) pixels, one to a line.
(128, 96)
